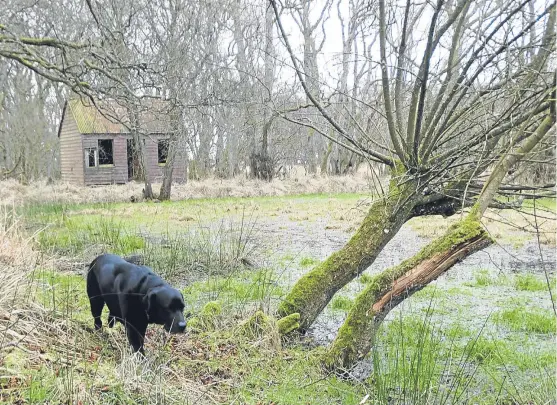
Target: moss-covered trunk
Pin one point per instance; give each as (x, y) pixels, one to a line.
(387, 289)
(313, 291)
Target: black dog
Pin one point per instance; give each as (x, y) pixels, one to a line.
(135, 296)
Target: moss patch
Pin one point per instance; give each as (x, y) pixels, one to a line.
(288, 323)
(365, 278)
(263, 329)
(207, 319)
(308, 262)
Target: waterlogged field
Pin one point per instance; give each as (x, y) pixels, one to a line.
(483, 333)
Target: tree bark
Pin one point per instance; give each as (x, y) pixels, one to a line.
(269, 80)
(148, 188)
(166, 186)
(314, 290)
(139, 151)
(325, 160)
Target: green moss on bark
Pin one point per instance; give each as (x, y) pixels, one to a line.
(313, 291)
(357, 334)
(288, 323)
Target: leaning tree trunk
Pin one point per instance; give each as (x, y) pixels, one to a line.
(386, 290)
(314, 290)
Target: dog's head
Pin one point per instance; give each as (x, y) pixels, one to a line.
(165, 306)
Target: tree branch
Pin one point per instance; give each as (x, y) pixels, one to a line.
(378, 156)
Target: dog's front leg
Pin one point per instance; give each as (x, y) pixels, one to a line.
(136, 326)
(136, 335)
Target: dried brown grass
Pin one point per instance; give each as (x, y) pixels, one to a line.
(17, 259)
(52, 340)
(14, 193)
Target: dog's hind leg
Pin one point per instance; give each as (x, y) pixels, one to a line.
(95, 299)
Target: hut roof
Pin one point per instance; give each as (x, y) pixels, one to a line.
(111, 117)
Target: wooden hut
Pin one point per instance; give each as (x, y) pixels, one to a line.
(96, 146)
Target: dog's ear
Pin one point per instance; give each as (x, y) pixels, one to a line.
(149, 302)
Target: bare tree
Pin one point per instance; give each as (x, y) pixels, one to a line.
(356, 337)
(464, 93)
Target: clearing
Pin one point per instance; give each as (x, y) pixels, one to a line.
(483, 332)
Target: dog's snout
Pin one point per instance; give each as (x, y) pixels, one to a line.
(176, 327)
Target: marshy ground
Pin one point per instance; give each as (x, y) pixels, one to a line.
(482, 333)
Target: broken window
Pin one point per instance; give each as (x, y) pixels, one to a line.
(163, 151)
(105, 152)
(91, 157)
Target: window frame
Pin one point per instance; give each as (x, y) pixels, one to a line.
(87, 155)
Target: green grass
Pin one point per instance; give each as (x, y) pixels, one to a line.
(74, 234)
(218, 249)
(409, 362)
(237, 289)
(288, 258)
(341, 303)
(464, 290)
(308, 262)
(484, 278)
(529, 282)
(545, 203)
(63, 294)
(488, 350)
(298, 380)
(420, 362)
(219, 352)
(430, 292)
(201, 209)
(419, 358)
(527, 319)
(412, 356)
(455, 332)
(521, 282)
